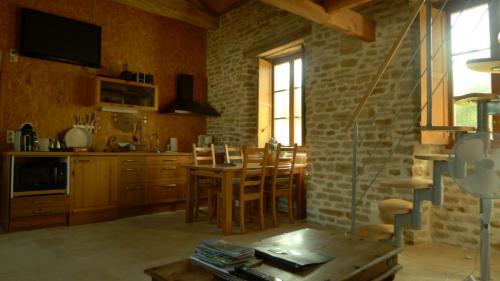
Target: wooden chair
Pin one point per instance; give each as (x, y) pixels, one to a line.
(233, 154)
(251, 184)
(205, 156)
(283, 166)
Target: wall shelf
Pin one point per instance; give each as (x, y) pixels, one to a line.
(121, 94)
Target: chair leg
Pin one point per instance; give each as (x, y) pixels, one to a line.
(242, 216)
(196, 198)
(290, 206)
(273, 210)
(261, 213)
(210, 203)
(219, 210)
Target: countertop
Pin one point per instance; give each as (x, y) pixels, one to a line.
(68, 153)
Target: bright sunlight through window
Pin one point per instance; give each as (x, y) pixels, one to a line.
(470, 39)
(287, 102)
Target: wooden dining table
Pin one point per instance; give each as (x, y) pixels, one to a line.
(226, 175)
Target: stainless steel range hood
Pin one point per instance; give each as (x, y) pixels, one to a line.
(184, 103)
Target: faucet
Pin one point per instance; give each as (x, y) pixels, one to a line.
(155, 147)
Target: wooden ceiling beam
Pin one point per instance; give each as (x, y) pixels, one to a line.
(343, 20)
(335, 5)
(177, 9)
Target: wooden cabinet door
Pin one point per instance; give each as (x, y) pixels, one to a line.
(93, 183)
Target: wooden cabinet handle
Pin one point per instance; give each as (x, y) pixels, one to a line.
(173, 185)
(169, 160)
(129, 160)
(41, 212)
(131, 169)
(168, 168)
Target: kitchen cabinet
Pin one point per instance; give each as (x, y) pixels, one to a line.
(93, 188)
(165, 179)
(126, 94)
(102, 186)
(131, 182)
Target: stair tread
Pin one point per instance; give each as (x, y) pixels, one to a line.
(374, 232)
(433, 157)
(410, 182)
(448, 128)
(395, 206)
(489, 65)
(475, 97)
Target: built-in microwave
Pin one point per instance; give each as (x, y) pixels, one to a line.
(39, 175)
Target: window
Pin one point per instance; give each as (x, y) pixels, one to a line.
(281, 95)
(459, 34)
(287, 120)
(470, 39)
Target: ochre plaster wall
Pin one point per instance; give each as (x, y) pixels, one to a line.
(49, 94)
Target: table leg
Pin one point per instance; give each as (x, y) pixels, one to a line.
(300, 194)
(190, 180)
(227, 203)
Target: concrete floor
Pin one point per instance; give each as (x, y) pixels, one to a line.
(122, 249)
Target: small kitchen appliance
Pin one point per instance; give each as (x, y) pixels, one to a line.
(25, 139)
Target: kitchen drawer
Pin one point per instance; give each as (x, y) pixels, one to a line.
(39, 211)
(131, 195)
(162, 192)
(39, 201)
(167, 171)
(39, 205)
(160, 160)
(131, 174)
(131, 160)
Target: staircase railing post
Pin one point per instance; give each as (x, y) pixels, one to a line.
(429, 61)
(354, 175)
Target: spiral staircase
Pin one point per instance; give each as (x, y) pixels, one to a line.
(399, 214)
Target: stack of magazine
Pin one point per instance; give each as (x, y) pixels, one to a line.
(221, 256)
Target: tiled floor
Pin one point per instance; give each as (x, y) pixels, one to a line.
(122, 249)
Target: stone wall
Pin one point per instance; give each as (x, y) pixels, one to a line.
(338, 70)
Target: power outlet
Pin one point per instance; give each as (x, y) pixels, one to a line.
(13, 56)
(9, 136)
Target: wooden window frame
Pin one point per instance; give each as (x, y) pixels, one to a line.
(290, 58)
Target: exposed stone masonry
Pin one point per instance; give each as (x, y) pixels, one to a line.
(338, 70)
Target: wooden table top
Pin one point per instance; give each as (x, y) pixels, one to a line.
(351, 257)
(224, 168)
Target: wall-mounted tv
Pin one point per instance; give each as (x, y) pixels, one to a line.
(61, 39)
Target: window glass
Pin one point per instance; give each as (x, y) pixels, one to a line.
(297, 73)
(288, 101)
(470, 39)
(297, 102)
(282, 76)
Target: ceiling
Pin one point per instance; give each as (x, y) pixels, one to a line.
(336, 14)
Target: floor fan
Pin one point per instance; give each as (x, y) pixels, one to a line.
(475, 166)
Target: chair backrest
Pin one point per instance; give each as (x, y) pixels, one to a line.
(253, 170)
(204, 155)
(284, 163)
(233, 154)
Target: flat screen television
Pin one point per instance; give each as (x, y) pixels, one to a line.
(61, 39)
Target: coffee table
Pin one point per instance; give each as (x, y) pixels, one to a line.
(354, 260)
